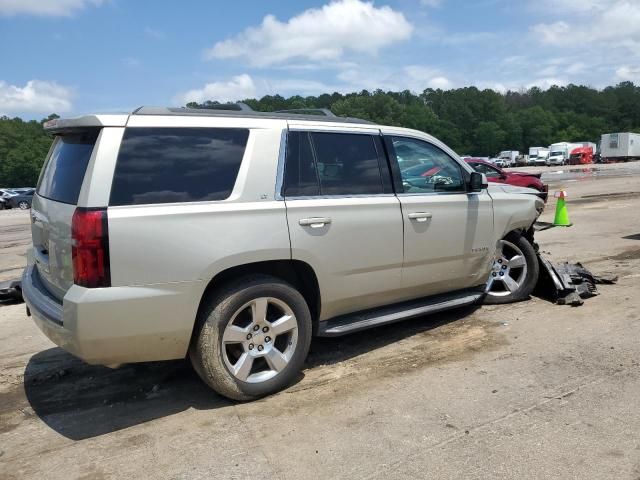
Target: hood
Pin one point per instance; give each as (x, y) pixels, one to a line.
(525, 174)
(502, 187)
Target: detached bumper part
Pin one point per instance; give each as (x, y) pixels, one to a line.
(568, 283)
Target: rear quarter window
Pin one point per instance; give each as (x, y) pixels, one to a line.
(64, 170)
(168, 165)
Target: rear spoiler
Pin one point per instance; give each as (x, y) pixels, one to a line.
(60, 125)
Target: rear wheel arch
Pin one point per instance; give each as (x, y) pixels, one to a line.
(297, 273)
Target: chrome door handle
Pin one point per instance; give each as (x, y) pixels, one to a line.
(419, 216)
(314, 222)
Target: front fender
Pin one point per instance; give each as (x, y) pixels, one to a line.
(514, 208)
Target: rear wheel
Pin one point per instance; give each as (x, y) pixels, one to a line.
(24, 205)
(253, 338)
(514, 273)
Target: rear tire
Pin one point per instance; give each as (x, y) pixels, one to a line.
(252, 338)
(515, 271)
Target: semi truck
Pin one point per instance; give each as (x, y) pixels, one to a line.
(581, 156)
(538, 156)
(620, 147)
(594, 147)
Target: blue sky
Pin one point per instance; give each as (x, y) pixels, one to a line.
(76, 56)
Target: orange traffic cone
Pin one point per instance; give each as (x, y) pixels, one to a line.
(562, 215)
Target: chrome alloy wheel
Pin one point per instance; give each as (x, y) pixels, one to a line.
(508, 272)
(260, 339)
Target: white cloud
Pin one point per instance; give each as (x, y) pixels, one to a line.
(545, 83)
(614, 23)
(52, 8)
(628, 73)
(420, 77)
(238, 88)
(36, 96)
(317, 34)
(553, 33)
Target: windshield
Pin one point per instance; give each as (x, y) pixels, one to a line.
(556, 154)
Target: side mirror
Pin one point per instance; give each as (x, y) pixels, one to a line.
(478, 182)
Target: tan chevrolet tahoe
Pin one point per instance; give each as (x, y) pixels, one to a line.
(232, 237)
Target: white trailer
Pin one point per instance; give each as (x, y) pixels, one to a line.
(560, 152)
(538, 156)
(509, 157)
(620, 147)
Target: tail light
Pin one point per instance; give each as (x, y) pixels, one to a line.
(90, 248)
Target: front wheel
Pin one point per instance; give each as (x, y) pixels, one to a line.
(253, 338)
(24, 205)
(514, 273)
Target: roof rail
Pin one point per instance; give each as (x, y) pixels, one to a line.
(236, 107)
(311, 111)
(236, 110)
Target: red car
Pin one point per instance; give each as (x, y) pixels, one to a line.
(519, 179)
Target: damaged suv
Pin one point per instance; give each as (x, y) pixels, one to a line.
(233, 236)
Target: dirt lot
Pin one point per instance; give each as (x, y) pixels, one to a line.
(530, 390)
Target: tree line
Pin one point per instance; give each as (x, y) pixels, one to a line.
(470, 120)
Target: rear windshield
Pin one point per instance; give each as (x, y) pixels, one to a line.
(64, 171)
(167, 165)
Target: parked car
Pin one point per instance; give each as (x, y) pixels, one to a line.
(519, 179)
(5, 194)
(232, 237)
(21, 200)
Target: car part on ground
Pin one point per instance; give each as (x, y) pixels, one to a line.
(568, 283)
(11, 290)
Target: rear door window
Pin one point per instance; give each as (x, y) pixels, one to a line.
(300, 175)
(168, 165)
(64, 171)
(347, 164)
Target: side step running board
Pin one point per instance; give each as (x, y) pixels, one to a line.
(394, 313)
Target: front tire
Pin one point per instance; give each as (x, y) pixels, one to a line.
(24, 205)
(514, 273)
(252, 338)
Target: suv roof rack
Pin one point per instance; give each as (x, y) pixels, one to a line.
(309, 111)
(244, 110)
(237, 107)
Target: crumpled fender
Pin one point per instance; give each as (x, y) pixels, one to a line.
(514, 208)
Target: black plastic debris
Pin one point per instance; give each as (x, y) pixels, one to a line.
(568, 283)
(11, 290)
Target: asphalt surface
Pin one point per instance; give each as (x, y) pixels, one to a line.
(529, 390)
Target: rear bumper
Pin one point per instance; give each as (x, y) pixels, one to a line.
(116, 325)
